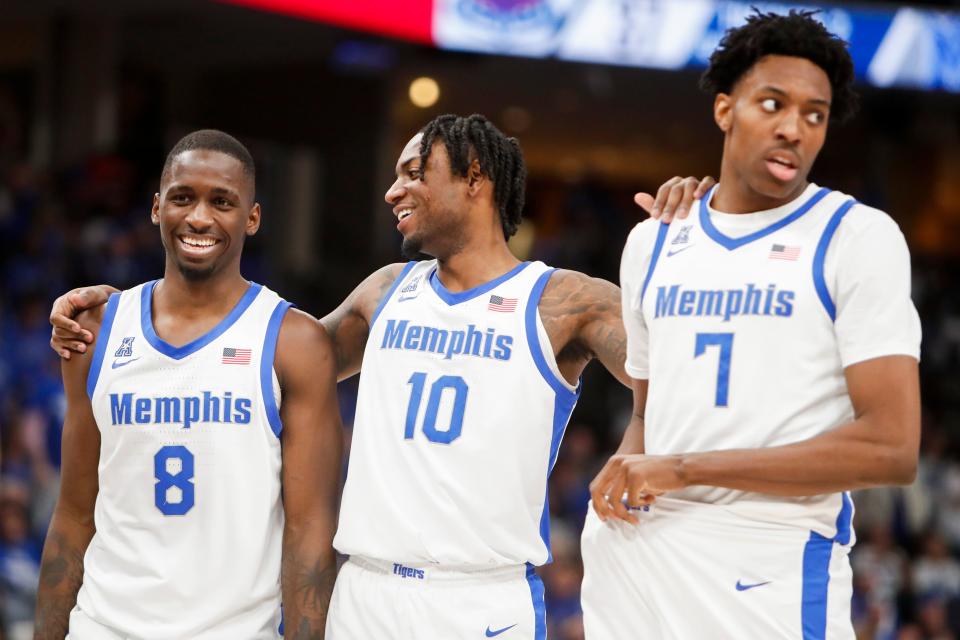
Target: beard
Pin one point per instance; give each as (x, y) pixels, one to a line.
(411, 249)
(193, 274)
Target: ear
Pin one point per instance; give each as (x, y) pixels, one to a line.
(155, 210)
(723, 111)
(475, 177)
(253, 219)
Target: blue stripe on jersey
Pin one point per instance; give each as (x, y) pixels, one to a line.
(266, 366)
(539, 607)
(565, 399)
(657, 248)
(819, 281)
(178, 353)
(103, 337)
(393, 287)
(816, 573)
(470, 294)
(734, 243)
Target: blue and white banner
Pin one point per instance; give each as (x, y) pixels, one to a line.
(903, 47)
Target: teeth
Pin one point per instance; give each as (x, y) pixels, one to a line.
(199, 242)
(403, 214)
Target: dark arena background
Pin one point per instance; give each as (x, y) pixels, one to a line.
(603, 97)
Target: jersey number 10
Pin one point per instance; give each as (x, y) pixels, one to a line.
(419, 381)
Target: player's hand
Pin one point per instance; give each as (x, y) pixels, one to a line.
(633, 481)
(674, 197)
(67, 334)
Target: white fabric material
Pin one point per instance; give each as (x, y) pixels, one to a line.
(369, 602)
(785, 356)
(675, 576)
(213, 572)
(467, 500)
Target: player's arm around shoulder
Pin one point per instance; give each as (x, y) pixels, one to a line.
(584, 313)
(72, 525)
(349, 324)
(312, 445)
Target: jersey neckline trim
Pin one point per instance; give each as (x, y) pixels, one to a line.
(735, 243)
(178, 353)
(463, 296)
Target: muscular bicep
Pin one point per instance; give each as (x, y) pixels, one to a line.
(885, 393)
(601, 327)
(349, 324)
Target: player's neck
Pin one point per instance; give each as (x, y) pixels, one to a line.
(212, 296)
(478, 262)
(734, 195)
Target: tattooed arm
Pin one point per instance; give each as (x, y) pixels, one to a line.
(312, 449)
(349, 324)
(582, 317)
(72, 526)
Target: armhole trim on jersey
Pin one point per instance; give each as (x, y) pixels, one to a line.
(396, 283)
(657, 248)
(103, 337)
(266, 366)
(819, 280)
(533, 340)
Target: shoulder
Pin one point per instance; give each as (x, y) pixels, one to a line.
(302, 341)
(375, 286)
(92, 319)
(643, 235)
(867, 227)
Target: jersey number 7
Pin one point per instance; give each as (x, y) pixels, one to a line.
(725, 342)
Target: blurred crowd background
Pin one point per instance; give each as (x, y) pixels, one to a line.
(91, 98)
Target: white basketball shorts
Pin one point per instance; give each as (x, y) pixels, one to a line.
(700, 572)
(391, 601)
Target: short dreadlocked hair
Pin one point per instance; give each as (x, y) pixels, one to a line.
(796, 34)
(501, 160)
(212, 140)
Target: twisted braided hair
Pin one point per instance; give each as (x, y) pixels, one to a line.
(796, 34)
(501, 160)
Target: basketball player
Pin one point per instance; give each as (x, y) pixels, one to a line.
(470, 369)
(205, 394)
(774, 348)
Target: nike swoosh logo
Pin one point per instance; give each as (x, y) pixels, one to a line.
(117, 365)
(491, 634)
(673, 253)
(745, 587)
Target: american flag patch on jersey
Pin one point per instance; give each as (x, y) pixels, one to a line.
(503, 305)
(235, 356)
(784, 252)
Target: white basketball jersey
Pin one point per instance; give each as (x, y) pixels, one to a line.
(189, 518)
(743, 348)
(460, 413)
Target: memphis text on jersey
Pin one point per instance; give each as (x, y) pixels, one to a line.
(470, 342)
(186, 410)
(726, 303)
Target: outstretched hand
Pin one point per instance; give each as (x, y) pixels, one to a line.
(674, 197)
(67, 335)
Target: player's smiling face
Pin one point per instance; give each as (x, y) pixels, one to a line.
(429, 202)
(775, 121)
(205, 209)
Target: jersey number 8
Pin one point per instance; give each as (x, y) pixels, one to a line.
(168, 481)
